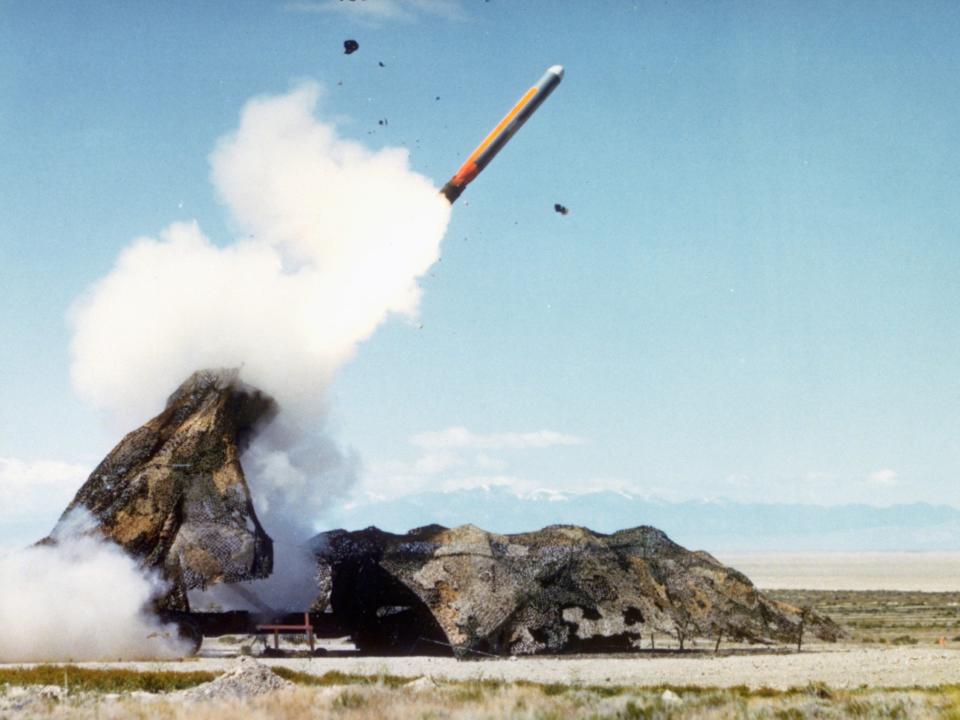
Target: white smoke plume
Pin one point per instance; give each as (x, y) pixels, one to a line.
(332, 239)
(292, 482)
(81, 599)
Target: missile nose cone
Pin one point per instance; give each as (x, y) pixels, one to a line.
(556, 70)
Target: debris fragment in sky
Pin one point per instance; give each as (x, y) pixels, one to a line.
(560, 209)
(350, 46)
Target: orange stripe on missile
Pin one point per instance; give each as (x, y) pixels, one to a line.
(468, 171)
(503, 123)
(501, 134)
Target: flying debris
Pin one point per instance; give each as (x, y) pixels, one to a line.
(562, 209)
(350, 46)
(501, 134)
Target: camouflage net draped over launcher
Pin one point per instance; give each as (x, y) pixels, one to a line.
(173, 494)
(561, 589)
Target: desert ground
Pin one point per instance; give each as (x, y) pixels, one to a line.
(902, 659)
(906, 571)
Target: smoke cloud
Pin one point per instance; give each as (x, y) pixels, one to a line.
(292, 478)
(82, 598)
(332, 238)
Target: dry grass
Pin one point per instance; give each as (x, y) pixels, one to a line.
(362, 698)
(374, 703)
(885, 616)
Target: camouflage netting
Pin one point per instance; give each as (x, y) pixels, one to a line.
(561, 589)
(173, 494)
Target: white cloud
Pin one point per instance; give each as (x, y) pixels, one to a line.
(462, 438)
(738, 480)
(487, 462)
(382, 10)
(457, 458)
(396, 478)
(884, 477)
(437, 462)
(818, 477)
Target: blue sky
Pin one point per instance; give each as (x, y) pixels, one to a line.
(754, 295)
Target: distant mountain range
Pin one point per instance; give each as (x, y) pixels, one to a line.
(717, 525)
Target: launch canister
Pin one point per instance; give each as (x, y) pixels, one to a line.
(501, 134)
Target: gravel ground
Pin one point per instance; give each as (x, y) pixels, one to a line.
(247, 678)
(842, 666)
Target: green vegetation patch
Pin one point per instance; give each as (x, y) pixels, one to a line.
(335, 677)
(104, 680)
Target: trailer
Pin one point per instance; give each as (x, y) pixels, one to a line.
(193, 627)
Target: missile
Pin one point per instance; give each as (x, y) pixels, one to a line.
(501, 134)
